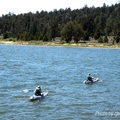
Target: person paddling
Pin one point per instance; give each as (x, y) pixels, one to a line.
(38, 91)
(89, 77)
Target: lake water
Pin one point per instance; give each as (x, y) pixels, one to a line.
(61, 71)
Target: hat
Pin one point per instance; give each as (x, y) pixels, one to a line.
(89, 74)
(38, 87)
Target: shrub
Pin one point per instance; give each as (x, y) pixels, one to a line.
(117, 39)
(105, 39)
(100, 40)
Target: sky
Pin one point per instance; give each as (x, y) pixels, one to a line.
(25, 6)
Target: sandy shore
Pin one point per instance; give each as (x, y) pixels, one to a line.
(88, 44)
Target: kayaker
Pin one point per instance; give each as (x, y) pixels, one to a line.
(89, 77)
(38, 91)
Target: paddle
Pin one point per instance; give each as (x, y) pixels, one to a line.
(26, 90)
(100, 80)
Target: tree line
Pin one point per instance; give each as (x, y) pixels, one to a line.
(67, 24)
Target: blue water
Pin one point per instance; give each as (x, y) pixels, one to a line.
(61, 71)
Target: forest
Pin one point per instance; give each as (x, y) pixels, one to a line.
(98, 23)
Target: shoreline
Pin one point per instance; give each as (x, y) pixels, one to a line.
(41, 43)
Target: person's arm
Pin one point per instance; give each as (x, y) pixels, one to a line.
(41, 91)
(35, 92)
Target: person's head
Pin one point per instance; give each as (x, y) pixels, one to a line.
(38, 87)
(89, 74)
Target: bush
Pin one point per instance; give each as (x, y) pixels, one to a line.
(5, 36)
(117, 39)
(10, 39)
(105, 39)
(45, 38)
(62, 40)
(100, 40)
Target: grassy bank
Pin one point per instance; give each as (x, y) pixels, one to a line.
(80, 44)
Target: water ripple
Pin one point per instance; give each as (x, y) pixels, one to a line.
(61, 71)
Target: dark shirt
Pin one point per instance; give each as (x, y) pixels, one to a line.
(38, 92)
(89, 77)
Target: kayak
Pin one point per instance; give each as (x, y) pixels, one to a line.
(94, 80)
(34, 97)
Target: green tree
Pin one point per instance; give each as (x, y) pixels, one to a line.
(54, 29)
(36, 25)
(117, 39)
(33, 28)
(100, 40)
(46, 38)
(77, 32)
(5, 35)
(88, 26)
(105, 39)
(67, 31)
(97, 33)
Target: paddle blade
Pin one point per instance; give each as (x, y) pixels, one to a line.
(25, 91)
(100, 81)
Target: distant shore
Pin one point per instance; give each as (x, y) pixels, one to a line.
(81, 44)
